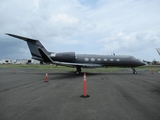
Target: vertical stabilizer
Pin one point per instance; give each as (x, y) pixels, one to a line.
(34, 46)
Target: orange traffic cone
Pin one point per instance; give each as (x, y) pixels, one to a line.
(85, 87)
(152, 71)
(46, 77)
(14, 71)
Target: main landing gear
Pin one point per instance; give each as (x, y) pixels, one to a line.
(78, 71)
(134, 70)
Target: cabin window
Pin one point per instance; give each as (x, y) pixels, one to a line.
(105, 59)
(118, 59)
(99, 59)
(92, 59)
(86, 59)
(111, 60)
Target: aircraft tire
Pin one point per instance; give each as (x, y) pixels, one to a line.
(134, 72)
(77, 72)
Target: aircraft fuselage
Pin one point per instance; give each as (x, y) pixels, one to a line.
(103, 60)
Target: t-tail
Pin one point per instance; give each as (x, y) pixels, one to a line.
(35, 47)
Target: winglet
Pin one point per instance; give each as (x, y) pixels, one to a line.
(158, 50)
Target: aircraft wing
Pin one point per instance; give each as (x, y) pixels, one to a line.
(76, 64)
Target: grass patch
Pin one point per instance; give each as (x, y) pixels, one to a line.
(156, 68)
(63, 68)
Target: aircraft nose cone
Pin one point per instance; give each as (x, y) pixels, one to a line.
(141, 63)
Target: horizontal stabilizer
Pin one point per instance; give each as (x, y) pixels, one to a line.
(22, 38)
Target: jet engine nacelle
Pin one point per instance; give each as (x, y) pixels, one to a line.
(67, 56)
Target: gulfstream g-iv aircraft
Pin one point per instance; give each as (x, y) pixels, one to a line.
(78, 61)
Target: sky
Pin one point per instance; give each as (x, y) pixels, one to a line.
(128, 27)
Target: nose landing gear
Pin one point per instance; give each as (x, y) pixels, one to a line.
(134, 70)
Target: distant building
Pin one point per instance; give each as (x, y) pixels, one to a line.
(19, 61)
(27, 61)
(154, 62)
(5, 61)
(32, 61)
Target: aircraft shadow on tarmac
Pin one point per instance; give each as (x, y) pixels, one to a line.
(70, 75)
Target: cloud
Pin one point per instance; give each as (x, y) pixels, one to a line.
(92, 26)
(63, 18)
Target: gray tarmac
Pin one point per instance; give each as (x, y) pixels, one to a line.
(113, 96)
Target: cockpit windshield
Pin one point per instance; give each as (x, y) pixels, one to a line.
(133, 58)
